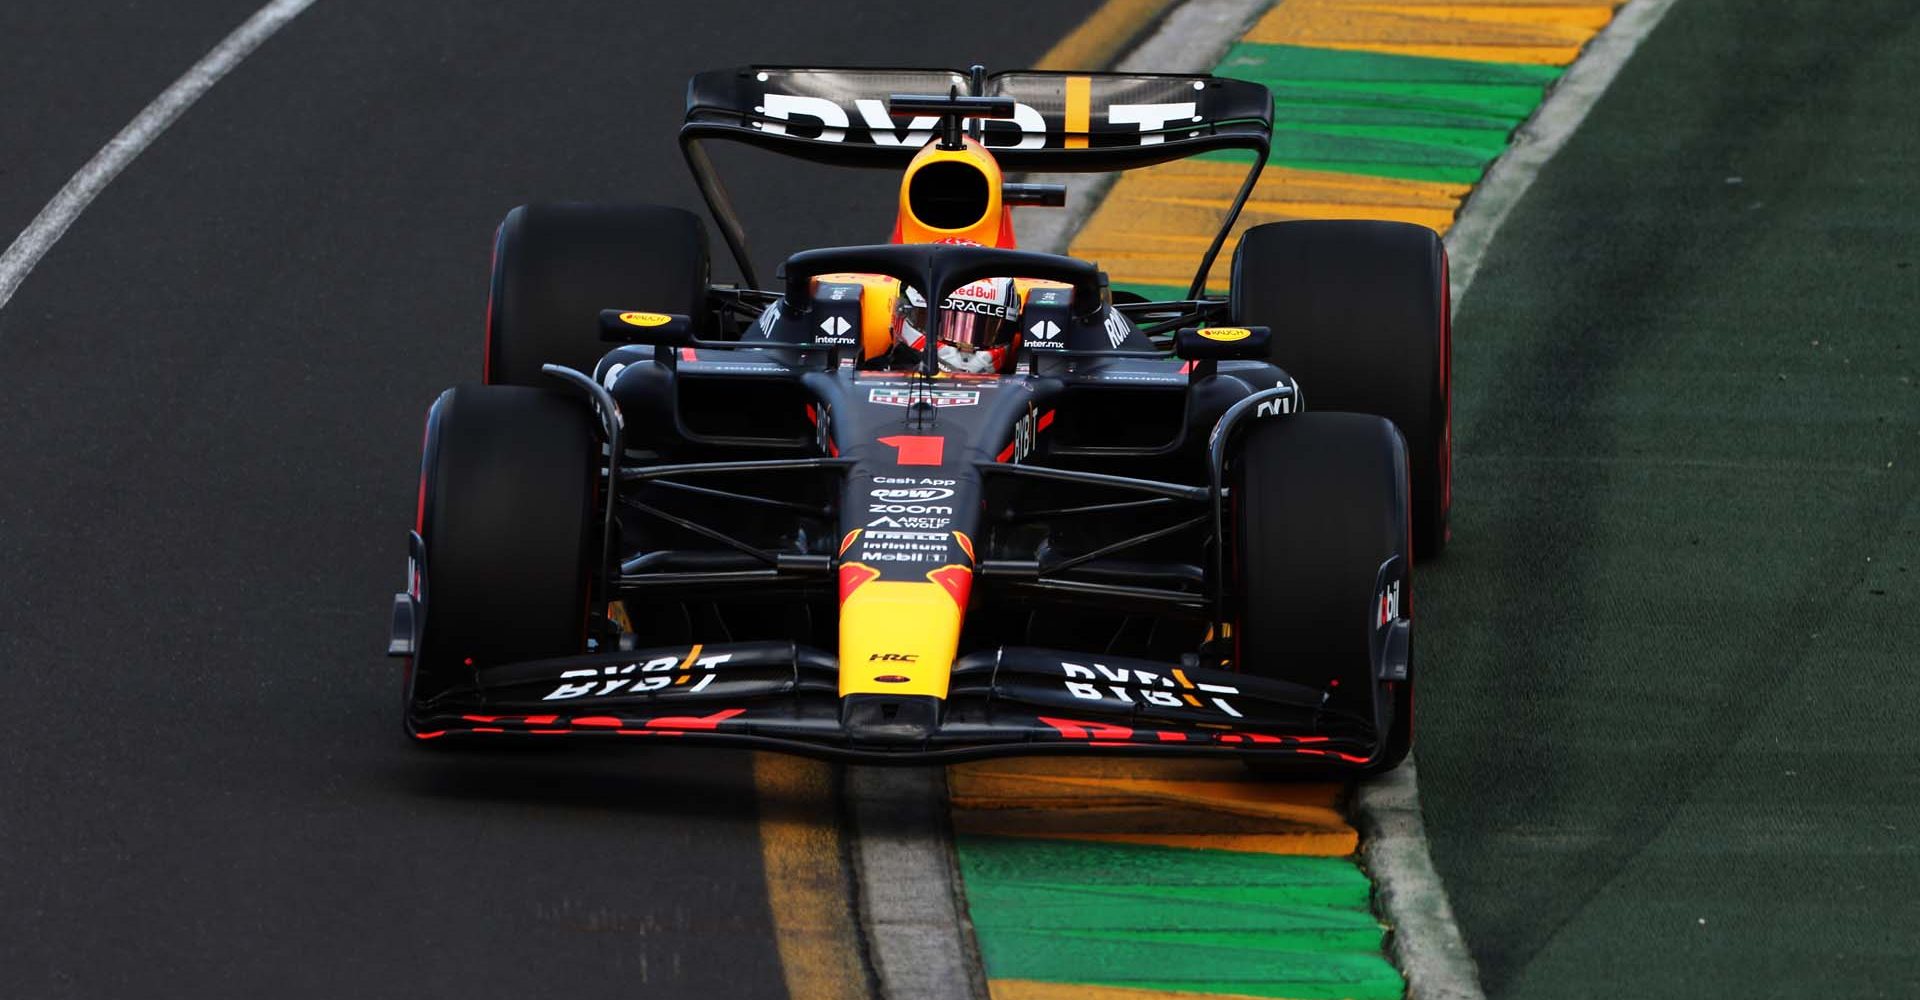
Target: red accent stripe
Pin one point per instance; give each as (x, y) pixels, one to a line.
(1073, 729)
(420, 498)
(958, 580)
(1446, 385)
(1066, 728)
(853, 576)
(685, 722)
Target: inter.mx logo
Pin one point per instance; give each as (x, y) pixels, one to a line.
(909, 395)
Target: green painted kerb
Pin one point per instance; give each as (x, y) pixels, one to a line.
(1168, 918)
(1380, 115)
(1375, 115)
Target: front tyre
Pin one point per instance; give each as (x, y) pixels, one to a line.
(1320, 504)
(506, 509)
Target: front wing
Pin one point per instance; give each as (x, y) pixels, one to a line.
(1004, 702)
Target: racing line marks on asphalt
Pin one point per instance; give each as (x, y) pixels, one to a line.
(85, 185)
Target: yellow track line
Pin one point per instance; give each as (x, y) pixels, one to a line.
(807, 888)
(1099, 40)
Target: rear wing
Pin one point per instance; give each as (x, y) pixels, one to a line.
(1062, 122)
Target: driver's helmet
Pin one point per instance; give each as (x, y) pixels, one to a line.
(976, 324)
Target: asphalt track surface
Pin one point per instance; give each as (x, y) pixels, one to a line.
(211, 394)
(1667, 742)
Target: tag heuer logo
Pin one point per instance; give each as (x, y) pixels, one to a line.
(909, 395)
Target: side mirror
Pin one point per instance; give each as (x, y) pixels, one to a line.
(625, 326)
(1223, 343)
(1046, 195)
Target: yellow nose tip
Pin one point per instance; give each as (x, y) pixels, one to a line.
(899, 637)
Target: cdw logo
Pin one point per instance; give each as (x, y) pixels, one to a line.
(924, 493)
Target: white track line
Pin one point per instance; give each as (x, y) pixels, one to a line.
(1427, 943)
(86, 185)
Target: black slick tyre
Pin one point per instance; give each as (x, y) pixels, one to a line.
(507, 496)
(1320, 505)
(556, 266)
(1359, 312)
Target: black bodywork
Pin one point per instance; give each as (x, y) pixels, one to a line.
(1085, 495)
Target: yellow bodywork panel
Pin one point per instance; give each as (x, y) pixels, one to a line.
(877, 295)
(898, 629)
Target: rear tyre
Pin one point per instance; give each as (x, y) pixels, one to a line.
(506, 511)
(556, 266)
(1359, 312)
(1320, 504)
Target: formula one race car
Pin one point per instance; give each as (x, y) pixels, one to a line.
(938, 498)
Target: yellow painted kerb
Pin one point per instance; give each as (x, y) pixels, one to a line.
(1509, 31)
(1205, 804)
(807, 887)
